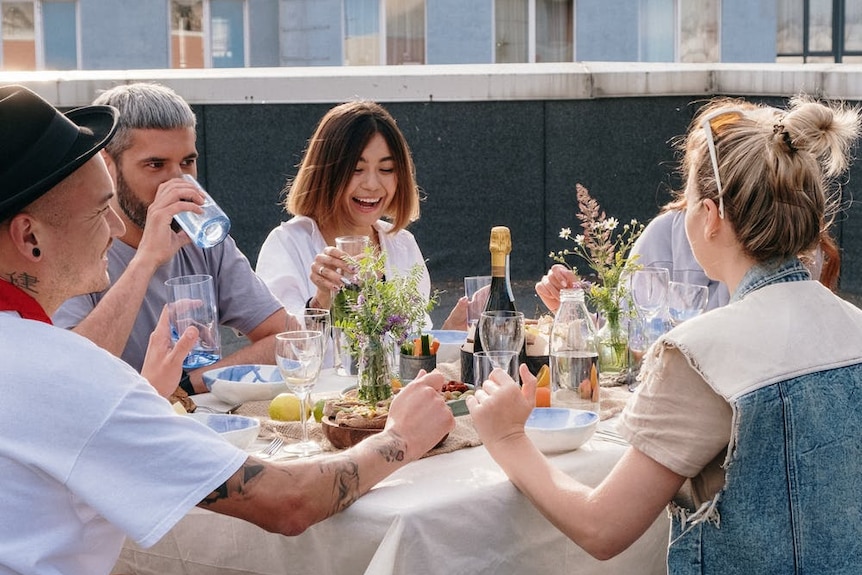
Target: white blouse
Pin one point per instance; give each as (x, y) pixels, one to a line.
(285, 259)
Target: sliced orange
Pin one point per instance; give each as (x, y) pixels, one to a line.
(543, 378)
(543, 396)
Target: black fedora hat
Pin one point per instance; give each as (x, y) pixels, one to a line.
(39, 146)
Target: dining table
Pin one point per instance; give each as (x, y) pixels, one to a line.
(451, 513)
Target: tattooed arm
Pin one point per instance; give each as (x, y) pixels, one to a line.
(288, 498)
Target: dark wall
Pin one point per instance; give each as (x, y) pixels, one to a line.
(481, 164)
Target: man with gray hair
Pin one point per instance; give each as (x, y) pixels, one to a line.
(153, 148)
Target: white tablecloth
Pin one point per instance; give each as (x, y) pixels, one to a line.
(447, 514)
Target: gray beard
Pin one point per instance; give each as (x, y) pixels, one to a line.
(134, 208)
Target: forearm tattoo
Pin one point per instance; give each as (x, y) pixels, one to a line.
(236, 484)
(345, 485)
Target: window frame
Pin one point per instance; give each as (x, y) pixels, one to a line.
(839, 27)
(39, 34)
(207, 31)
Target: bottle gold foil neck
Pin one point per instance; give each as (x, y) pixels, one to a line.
(501, 240)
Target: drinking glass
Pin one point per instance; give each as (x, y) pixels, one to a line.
(638, 342)
(209, 228)
(502, 330)
(476, 289)
(318, 319)
(484, 363)
(299, 355)
(192, 302)
(649, 291)
(352, 245)
(685, 301)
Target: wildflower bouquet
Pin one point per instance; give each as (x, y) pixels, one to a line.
(606, 252)
(377, 315)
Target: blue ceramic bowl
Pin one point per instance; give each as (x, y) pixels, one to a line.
(556, 429)
(237, 429)
(235, 384)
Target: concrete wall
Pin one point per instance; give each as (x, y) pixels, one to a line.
(493, 144)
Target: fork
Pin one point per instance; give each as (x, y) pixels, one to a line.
(272, 448)
(610, 436)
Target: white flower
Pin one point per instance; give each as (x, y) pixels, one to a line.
(611, 224)
(579, 239)
(565, 233)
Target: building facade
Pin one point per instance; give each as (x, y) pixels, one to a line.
(156, 34)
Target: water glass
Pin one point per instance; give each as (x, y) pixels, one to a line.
(318, 319)
(352, 245)
(477, 295)
(209, 228)
(686, 301)
(192, 302)
(484, 362)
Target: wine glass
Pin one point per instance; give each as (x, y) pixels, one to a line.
(649, 291)
(502, 330)
(298, 355)
(318, 319)
(685, 301)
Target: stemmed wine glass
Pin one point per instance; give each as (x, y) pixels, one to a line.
(299, 355)
(685, 301)
(318, 319)
(649, 291)
(502, 330)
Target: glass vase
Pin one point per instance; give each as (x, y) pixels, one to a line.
(613, 346)
(374, 372)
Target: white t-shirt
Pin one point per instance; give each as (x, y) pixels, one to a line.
(285, 259)
(89, 454)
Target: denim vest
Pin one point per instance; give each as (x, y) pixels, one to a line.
(787, 355)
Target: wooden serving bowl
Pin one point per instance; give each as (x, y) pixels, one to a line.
(342, 437)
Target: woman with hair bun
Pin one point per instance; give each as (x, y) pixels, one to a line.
(747, 423)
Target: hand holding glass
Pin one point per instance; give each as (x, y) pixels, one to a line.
(192, 302)
(299, 355)
(484, 362)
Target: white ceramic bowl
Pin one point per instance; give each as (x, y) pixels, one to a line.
(450, 343)
(240, 383)
(236, 429)
(555, 429)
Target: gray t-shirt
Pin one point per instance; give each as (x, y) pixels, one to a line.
(244, 301)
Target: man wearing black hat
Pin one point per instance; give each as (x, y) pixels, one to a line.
(89, 452)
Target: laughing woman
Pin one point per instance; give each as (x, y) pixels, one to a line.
(355, 179)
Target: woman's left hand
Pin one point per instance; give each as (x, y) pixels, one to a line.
(500, 406)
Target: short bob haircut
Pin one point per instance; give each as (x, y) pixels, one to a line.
(329, 162)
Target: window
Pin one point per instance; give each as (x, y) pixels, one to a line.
(511, 22)
(534, 30)
(208, 33)
(26, 46)
(405, 31)
(698, 31)
(383, 32)
(19, 36)
(554, 35)
(819, 31)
